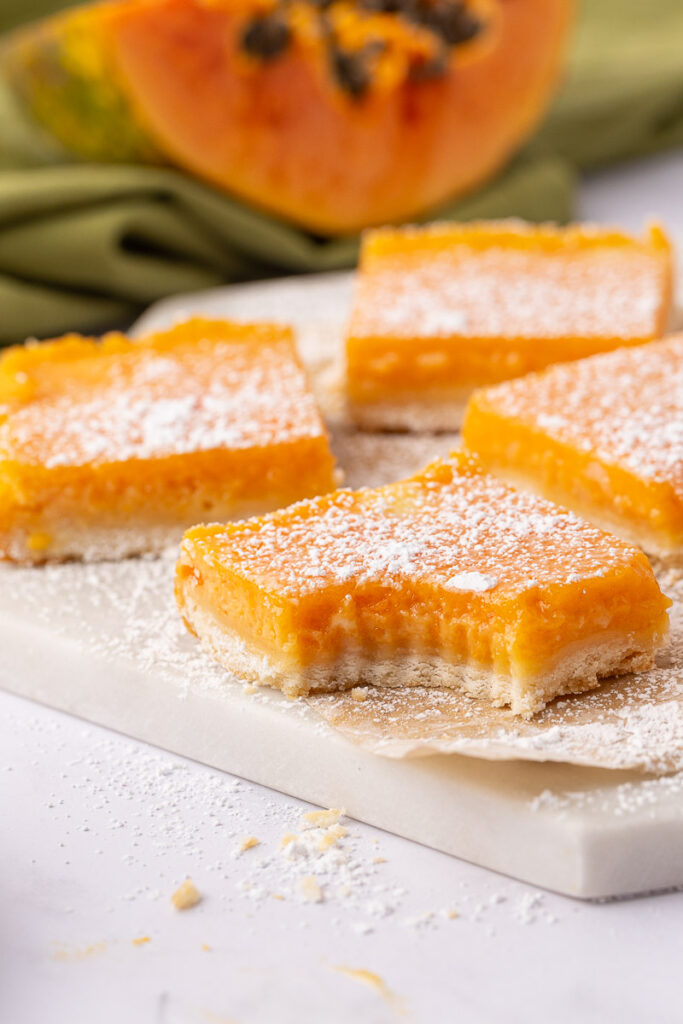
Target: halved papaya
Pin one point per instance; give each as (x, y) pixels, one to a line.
(334, 114)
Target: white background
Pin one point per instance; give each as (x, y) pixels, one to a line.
(97, 832)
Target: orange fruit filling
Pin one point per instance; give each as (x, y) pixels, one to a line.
(112, 447)
(604, 436)
(448, 578)
(444, 309)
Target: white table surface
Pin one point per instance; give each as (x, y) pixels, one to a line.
(98, 831)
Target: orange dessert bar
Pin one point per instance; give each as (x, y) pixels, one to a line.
(115, 447)
(443, 309)
(603, 436)
(450, 578)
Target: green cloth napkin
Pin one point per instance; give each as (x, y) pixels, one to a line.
(85, 247)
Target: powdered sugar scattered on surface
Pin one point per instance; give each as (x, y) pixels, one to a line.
(636, 423)
(153, 819)
(129, 782)
(376, 459)
(624, 799)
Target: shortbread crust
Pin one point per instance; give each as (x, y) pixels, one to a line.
(578, 672)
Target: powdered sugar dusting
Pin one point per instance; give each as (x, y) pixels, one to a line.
(635, 422)
(506, 291)
(200, 397)
(450, 524)
(476, 581)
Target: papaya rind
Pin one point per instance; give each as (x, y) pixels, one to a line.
(60, 74)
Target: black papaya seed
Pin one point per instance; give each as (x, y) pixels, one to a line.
(452, 21)
(266, 36)
(351, 71)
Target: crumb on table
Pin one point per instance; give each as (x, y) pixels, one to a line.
(186, 895)
(248, 843)
(322, 819)
(310, 890)
(331, 836)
